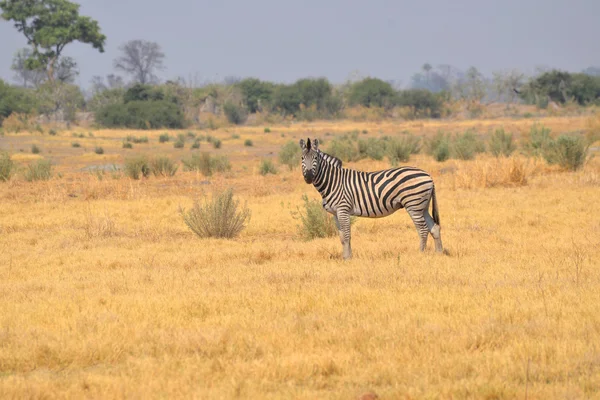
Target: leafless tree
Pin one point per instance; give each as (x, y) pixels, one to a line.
(24, 75)
(66, 70)
(140, 59)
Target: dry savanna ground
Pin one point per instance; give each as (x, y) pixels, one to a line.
(105, 293)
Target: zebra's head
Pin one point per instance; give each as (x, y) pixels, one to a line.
(310, 159)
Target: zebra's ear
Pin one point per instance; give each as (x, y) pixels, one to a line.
(316, 143)
(302, 144)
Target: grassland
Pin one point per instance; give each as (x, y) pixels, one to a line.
(105, 293)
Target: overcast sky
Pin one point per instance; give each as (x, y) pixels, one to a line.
(282, 40)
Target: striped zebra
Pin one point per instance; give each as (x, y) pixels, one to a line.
(347, 192)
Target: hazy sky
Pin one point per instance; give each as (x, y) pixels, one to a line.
(282, 40)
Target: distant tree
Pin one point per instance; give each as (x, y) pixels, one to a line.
(505, 83)
(141, 60)
(23, 75)
(372, 92)
(50, 25)
(255, 93)
(472, 86)
(431, 79)
(592, 71)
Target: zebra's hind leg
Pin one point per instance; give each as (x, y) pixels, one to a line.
(342, 221)
(418, 217)
(434, 229)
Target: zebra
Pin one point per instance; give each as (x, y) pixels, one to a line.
(347, 192)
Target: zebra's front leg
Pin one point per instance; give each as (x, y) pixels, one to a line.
(342, 221)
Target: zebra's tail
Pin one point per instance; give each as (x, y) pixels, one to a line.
(436, 214)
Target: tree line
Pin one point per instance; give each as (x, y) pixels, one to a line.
(45, 79)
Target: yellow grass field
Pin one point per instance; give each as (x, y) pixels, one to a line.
(105, 292)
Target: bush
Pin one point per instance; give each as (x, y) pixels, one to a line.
(6, 166)
(163, 138)
(196, 144)
(41, 170)
(99, 150)
(217, 143)
(75, 144)
(501, 143)
(191, 135)
(267, 167)
(137, 167)
(422, 102)
(372, 92)
(218, 218)
(127, 145)
(344, 149)
(52, 132)
(206, 164)
(466, 146)
(163, 166)
(568, 151)
(267, 130)
(372, 148)
(290, 154)
(35, 149)
(538, 141)
(235, 114)
(315, 222)
(255, 93)
(398, 150)
(136, 139)
(179, 144)
(248, 143)
(141, 115)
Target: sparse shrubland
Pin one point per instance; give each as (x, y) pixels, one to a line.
(501, 143)
(163, 166)
(290, 154)
(137, 167)
(206, 163)
(40, 170)
(267, 167)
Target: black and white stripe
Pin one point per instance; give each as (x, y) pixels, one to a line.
(348, 192)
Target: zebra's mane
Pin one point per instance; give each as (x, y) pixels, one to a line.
(331, 160)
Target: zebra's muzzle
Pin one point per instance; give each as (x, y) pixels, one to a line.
(309, 177)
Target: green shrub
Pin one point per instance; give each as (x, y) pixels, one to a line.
(466, 146)
(344, 149)
(35, 149)
(501, 143)
(90, 134)
(538, 141)
(315, 222)
(218, 218)
(372, 148)
(235, 114)
(136, 139)
(568, 151)
(191, 135)
(248, 143)
(164, 138)
(163, 166)
(99, 150)
(267, 167)
(52, 132)
(127, 145)
(6, 166)
(290, 154)
(400, 148)
(154, 114)
(179, 144)
(372, 92)
(41, 170)
(235, 136)
(423, 103)
(196, 144)
(217, 143)
(75, 144)
(267, 130)
(206, 164)
(137, 167)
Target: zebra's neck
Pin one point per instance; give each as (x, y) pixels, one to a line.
(327, 164)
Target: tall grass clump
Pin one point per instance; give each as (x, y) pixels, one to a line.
(7, 166)
(399, 149)
(439, 147)
(290, 154)
(267, 167)
(537, 141)
(466, 146)
(315, 222)
(568, 151)
(372, 148)
(137, 167)
(163, 166)
(35, 149)
(220, 217)
(206, 164)
(196, 144)
(501, 143)
(41, 170)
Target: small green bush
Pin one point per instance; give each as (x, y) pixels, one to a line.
(52, 132)
(290, 154)
(179, 144)
(191, 135)
(235, 114)
(399, 149)
(196, 144)
(163, 166)
(219, 217)
(35, 149)
(538, 141)
(136, 139)
(75, 144)
(267, 130)
(248, 143)
(99, 150)
(137, 167)
(267, 167)
(217, 143)
(6, 166)
(466, 146)
(206, 164)
(127, 145)
(501, 143)
(344, 149)
(568, 151)
(41, 170)
(90, 134)
(372, 148)
(163, 138)
(439, 147)
(315, 222)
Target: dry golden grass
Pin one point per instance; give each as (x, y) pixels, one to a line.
(105, 293)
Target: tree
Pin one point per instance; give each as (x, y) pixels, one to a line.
(505, 83)
(140, 59)
(66, 70)
(372, 92)
(50, 25)
(24, 76)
